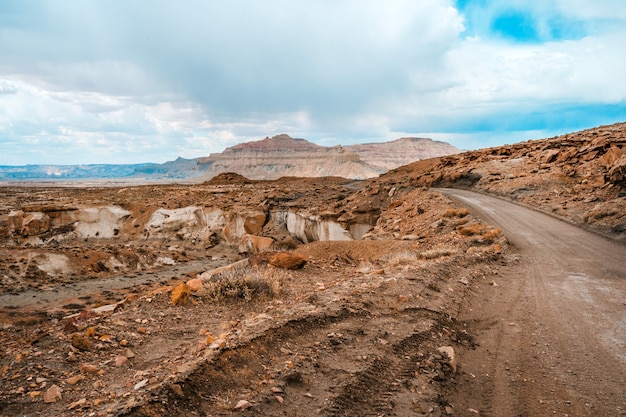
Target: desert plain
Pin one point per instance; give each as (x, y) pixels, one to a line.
(490, 282)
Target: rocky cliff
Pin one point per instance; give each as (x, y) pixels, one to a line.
(283, 156)
(390, 155)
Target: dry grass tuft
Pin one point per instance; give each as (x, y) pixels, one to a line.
(437, 253)
(246, 284)
(456, 212)
(472, 229)
(402, 258)
(487, 233)
(492, 234)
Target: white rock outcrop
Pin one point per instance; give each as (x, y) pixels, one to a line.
(101, 222)
(310, 228)
(186, 222)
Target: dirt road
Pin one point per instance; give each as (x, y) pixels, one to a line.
(552, 329)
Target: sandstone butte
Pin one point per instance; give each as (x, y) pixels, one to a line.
(284, 156)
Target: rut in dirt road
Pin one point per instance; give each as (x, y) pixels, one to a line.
(557, 342)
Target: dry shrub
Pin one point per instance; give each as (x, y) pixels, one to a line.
(245, 284)
(456, 212)
(492, 234)
(462, 221)
(437, 253)
(471, 229)
(449, 213)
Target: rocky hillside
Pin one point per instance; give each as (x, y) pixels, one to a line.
(580, 177)
(281, 156)
(403, 151)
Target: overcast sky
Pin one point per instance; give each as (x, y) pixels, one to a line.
(118, 81)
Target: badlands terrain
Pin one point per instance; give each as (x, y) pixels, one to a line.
(396, 295)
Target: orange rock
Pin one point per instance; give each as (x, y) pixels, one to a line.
(52, 395)
(121, 360)
(194, 284)
(81, 342)
(73, 380)
(88, 368)
(180, 294)
(287, 260)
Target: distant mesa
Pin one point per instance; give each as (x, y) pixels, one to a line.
(282, 156)
(267, 159)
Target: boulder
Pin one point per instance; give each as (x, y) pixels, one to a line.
(617, 174)
(180, 294)
(611, 156)
(100, 222)
(169, 222)
(287, 260)
(15, 220)
(53, 394)
(195, 284)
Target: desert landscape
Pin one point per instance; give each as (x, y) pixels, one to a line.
(489, 282)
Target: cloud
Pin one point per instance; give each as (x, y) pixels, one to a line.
(116, 81)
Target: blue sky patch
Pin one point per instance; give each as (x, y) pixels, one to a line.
(517, 26)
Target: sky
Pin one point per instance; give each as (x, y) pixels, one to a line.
(117, 81)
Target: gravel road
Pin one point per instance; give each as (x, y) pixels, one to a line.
(552, 329)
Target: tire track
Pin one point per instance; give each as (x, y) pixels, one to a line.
(318, 363)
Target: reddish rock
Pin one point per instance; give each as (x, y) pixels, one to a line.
(89, 369)
(80, 342)
(121, 360)
(52, 395)
(73, 380)
(617, 174)
(287, 260)
(194, 285)
(261, 259)
(180, 294)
